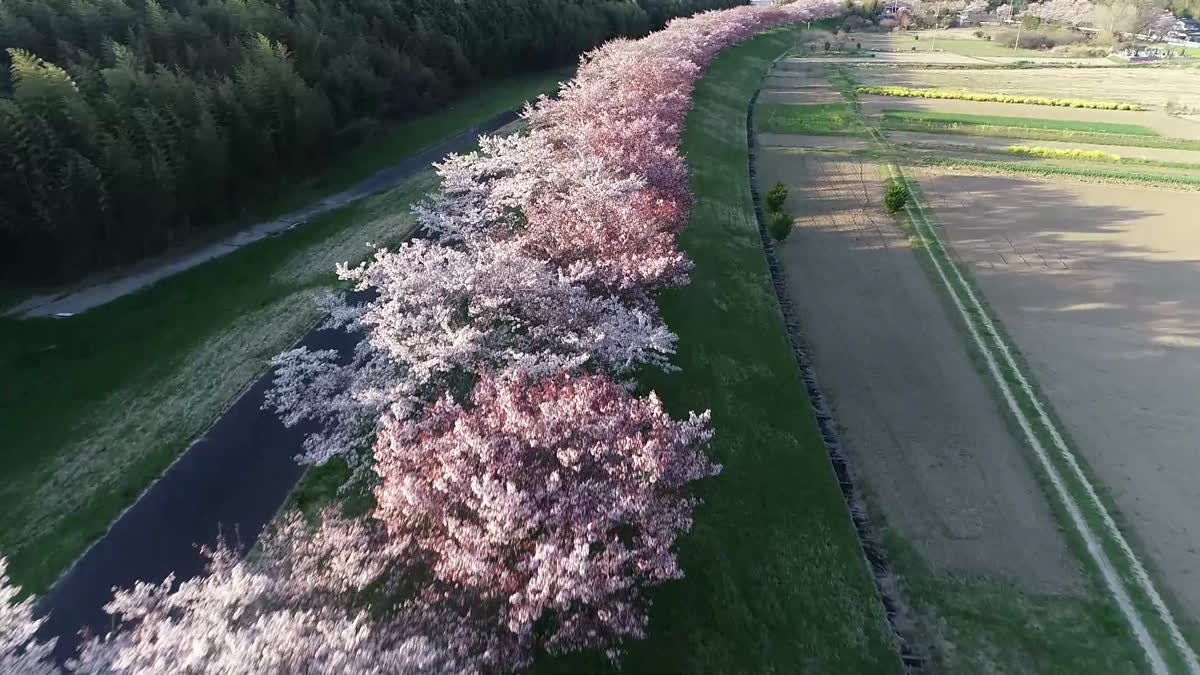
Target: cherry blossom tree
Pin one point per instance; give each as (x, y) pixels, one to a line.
(442, 314)
(1156, 22)
(20, 650)
(554, 498)
(512, 463)
(1067, 12)
(295, 608)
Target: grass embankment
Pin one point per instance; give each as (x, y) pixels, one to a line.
(812, 119)
(96, 406)
(775, 578)
(962, 95)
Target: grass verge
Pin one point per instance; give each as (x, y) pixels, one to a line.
(962, 95)
(775, 578)
(894, 117)
(813, 119)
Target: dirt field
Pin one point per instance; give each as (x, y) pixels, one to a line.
(1160, 122)
(1099, 286)
(920, 426)
(1148, 86)
(952, 142)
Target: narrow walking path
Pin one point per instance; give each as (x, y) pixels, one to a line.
(81, 300)
(232, 480)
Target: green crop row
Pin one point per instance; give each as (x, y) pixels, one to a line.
(958, 94)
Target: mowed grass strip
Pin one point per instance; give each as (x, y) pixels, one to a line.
(775, 581)
(811, 119)
(963, 119)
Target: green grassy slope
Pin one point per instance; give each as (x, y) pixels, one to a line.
(775, 578)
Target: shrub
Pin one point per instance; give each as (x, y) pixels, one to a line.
(895, 197)
(776, 196)
(779, 225)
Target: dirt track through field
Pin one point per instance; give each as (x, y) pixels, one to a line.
(1160, 122)
(920, 425)
(1100, 288)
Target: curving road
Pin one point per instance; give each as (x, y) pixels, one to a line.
(232, 480)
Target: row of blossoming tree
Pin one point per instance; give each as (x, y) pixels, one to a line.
(526, 498)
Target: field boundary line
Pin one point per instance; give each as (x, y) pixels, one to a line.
(1140, 574)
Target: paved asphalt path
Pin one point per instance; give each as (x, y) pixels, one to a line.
(84, 299)
(232, 481)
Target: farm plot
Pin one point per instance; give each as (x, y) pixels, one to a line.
(935, 141)
(1099, 285)
(1156, 87)
(973, 537)
(1156, 121)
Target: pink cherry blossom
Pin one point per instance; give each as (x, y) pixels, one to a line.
(20, 650)
(558, 498)
(297, 607)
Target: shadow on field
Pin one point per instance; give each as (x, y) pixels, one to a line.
(1099, 287)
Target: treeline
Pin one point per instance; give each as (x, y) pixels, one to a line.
(1189, 8)
(129, 125)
